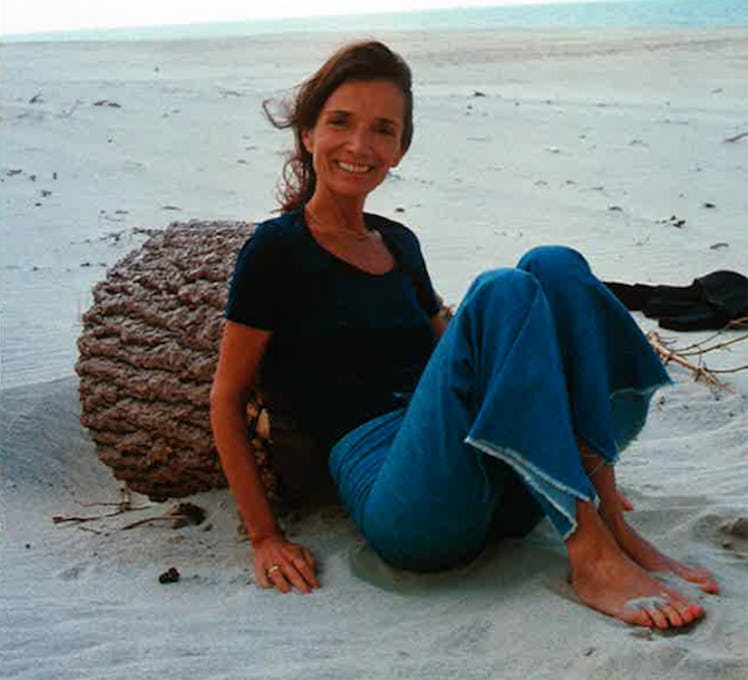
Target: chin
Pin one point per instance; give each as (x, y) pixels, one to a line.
(359, 187)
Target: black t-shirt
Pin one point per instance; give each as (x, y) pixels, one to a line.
(347, 345)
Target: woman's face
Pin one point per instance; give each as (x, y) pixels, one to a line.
(357, 137)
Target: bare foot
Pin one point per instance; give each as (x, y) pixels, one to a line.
(607, 580)
(650, 558)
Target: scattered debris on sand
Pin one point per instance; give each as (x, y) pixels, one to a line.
(673, 221)
(171, 575)
(736, 138)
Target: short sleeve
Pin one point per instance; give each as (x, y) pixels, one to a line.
(256, 292)
(425, 293)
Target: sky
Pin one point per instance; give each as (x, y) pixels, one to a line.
(33, 16)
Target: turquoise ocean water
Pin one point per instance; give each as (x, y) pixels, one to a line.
(576, 15)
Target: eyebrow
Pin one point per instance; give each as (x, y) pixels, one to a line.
(343, 112)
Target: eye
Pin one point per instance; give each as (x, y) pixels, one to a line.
(337, 121)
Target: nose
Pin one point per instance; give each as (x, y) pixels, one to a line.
(359, 140)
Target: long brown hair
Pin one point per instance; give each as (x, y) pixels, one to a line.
(368, 60)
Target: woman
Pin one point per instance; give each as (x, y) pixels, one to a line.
(441, 437)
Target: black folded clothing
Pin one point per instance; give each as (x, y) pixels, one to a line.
(709, 303)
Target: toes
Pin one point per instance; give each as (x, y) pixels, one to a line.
(686, 613)
(638, 618)
(673, 617)
(697, 610)
(709, 585)
(660, 620)
(702, 578)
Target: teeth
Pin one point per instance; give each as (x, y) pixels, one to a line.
(354, 167)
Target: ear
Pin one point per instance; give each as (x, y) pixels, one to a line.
(396, 160)
(307, 138)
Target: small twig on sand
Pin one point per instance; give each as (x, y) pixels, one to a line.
(700, 370)
(125, 501)
(669, 355)
(737, 137)
(123, 505)
(157, 518)
(700, 351)
(737, 369)
(61, 519)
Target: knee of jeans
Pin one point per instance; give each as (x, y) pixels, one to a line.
(548, 261)
(509, 284)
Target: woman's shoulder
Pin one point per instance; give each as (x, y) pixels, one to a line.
(392, 229)
(276, 230)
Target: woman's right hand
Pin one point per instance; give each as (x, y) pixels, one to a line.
(284, 565)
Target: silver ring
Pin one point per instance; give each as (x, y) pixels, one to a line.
(272, 569)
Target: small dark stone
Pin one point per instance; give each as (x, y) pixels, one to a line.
(737, 527)
(28, 545)
(478, 93)
(709, 205)
(171, 575)
(616, 208)
(399, 210)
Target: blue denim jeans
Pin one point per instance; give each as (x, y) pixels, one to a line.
(535, 360)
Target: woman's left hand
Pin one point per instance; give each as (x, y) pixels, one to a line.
(284, 565)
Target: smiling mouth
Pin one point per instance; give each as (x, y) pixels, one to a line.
(354, 168)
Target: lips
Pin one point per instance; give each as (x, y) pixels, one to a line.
(354, 168)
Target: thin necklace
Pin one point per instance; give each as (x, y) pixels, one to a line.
(357, 236)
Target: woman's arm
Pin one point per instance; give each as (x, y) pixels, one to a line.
(242, 348)
(438, 324)
(440, 320)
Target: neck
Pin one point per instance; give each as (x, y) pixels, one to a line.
(337, 215)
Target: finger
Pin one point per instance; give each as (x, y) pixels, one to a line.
(262, 577)
(296, 579)
(309, 558)
(307, 573)
(278, 579)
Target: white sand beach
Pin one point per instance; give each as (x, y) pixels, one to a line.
(522, 138)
